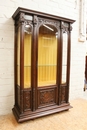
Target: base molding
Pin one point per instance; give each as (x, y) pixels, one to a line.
(36, 114)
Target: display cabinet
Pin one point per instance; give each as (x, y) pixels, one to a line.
(42, 64)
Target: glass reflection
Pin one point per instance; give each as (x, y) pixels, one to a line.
(64, 58)
(27, 56)
(47, 55)
(18, 57)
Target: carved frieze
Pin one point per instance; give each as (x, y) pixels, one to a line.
(50, 22)
(27, 98)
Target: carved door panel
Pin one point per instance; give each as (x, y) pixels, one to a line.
(47, 63)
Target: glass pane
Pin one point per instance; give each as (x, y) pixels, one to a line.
(47, 55)
(64, 58)
(28, 17)
(27, 56)
(18, 58)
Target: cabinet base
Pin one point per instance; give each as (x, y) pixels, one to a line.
(38, 113)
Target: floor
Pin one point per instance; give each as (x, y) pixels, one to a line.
(74, 119)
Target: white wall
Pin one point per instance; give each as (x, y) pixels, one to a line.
(65, 8)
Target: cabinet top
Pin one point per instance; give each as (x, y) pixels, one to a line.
(40, 14)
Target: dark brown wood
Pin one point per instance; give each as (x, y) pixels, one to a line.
(47, 96)
(30, 12)
(60, 60)
(15, 63)
(37, 101)
(86, 68)
(85, 73)
(43, 112)
(21, 50)
(21, 61)
(68, 60)
(27, 100)
(58, 63)
(34, 65)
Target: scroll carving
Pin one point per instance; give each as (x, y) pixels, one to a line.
(28, 23)
(18, 93)
(22, 17)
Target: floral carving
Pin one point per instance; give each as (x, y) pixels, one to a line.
(47, 97)
(21, 100)
(22, 17)
(26, 100)
(46, 21)
(63, 94)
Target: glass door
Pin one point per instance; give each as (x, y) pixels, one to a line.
(18, 57)
(47, 55)
(64, 58)
(27, 55)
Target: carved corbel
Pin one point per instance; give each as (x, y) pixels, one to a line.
(62, 25)
(70, 28)
(35, 20)
(22, 17)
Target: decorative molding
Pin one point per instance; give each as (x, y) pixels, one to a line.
(35, 20)
(22, 17)
(64, 26)
(75, 4)
(82, 29)
(50, 22)
(28, 23)
(70, 29)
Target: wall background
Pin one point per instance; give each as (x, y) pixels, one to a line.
(64, 8)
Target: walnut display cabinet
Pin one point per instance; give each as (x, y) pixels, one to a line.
(42, 64)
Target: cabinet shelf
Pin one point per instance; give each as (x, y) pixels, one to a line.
(38, 65)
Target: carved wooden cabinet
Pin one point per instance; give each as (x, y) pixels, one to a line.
(42, 64)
